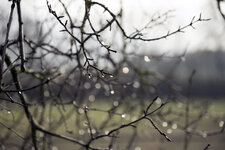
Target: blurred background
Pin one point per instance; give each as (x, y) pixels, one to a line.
(66, 82)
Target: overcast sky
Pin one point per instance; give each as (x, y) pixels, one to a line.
(207, 36)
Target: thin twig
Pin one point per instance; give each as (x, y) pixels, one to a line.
(207, 147)
(14, 131)
(21, 36)
(4, 47)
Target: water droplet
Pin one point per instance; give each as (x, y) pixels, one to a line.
(89, 75)
(147, 59)
(80, 110)
(112, 92)
(88, 130)
(81, 132)
(136, 84)
(97, 85)
(204, 135)
(103, 43)
(91, 98)
(85, 123)
(115, 103)
(125, 70)
(85, 108)
(54, 148)
(221, 124)
(164, 124)
(87, 85)
(111, 76)
(74, 102)
(137, 148)
(106, 132)
(20, 92)
(158, 101)
(93, 131)
(183, 58)
(174, 126)
(9, 112)
(123, 115)
(169, 131)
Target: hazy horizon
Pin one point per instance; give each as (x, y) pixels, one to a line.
(207, 36)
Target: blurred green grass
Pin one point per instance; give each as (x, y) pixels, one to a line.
(147, 136)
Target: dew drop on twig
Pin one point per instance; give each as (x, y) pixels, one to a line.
(89, 75)
(147, 59)
(123, 115)
(158, 101)
(106, 132)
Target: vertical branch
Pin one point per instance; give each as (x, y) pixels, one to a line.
(21, 36)
(132, 139)
(88, 121)
(22, 97)
(187, 109)
(4, 47)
